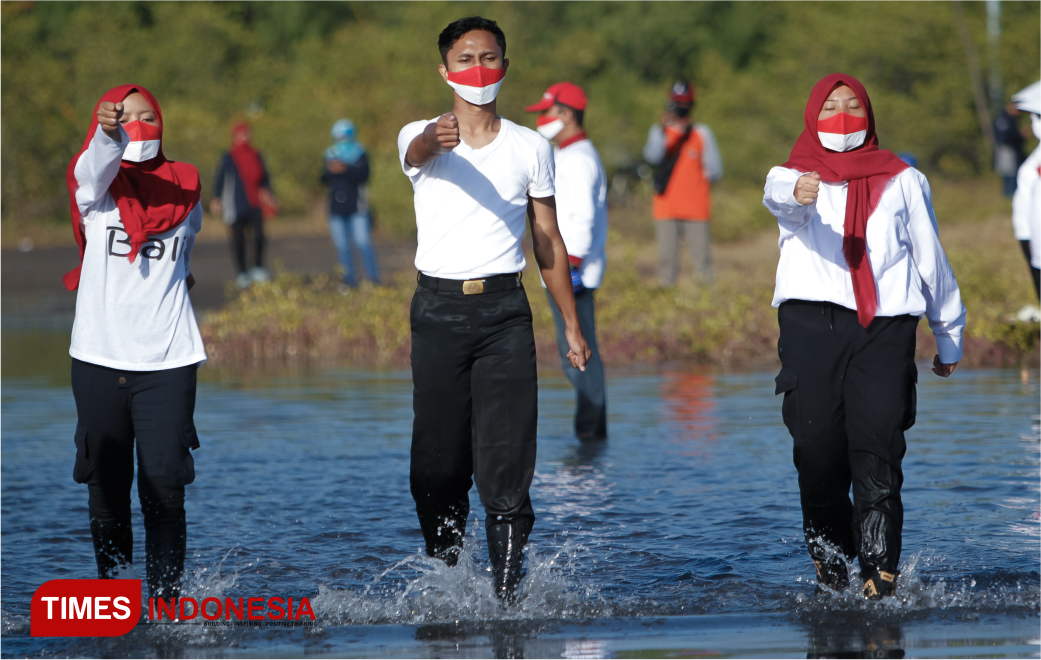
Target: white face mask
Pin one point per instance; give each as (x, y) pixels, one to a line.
(842, 132)
(478, 85)
(549, 127)
(1035, 125)
(144, 141)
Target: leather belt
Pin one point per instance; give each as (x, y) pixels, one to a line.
(491, 284)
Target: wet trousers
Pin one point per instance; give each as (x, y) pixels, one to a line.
(155, 409)
(475, 400)
(590, 389)
(849, 395)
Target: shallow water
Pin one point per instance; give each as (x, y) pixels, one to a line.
(678, 536)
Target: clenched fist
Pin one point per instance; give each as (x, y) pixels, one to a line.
(806, 188)
(443, 136)
(109, 115)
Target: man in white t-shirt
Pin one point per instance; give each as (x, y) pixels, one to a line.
(476, 176)
(1026, 202)
(582, 214)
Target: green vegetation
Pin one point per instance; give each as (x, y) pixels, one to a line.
(729, 324)
(293, 68)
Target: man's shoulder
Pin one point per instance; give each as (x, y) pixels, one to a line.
(521, 133)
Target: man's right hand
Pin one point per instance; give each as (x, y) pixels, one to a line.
(108, 118)
(443, 135)
(806, 188)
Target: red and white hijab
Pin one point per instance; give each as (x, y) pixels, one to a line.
(153, 194)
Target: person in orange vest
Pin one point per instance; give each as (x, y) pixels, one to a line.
(687, 163)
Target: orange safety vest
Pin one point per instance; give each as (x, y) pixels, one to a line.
(689, 194)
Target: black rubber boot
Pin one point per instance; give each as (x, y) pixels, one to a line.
(113, 546)
(879, 584)
(506, 541)
(831, 573)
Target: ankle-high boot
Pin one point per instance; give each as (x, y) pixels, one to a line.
(506, 540)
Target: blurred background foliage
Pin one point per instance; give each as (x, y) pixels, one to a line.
(291, 69)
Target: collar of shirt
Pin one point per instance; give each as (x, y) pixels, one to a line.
(573, 139)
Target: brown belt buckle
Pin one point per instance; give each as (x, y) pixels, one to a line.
(471, 287)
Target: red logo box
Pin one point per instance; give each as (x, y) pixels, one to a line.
(85, 608)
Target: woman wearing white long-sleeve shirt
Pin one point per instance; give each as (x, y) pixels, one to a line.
(860, 262)
(135, 343)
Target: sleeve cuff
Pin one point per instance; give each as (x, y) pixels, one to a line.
(540, 194)
(948, 348)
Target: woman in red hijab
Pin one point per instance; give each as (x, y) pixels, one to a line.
(242, 197)
(135, 343)
(860, 263)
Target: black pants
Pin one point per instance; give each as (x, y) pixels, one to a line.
(1034, 272)
(590, 389)
(252, 221)
(476, 405)
(849, 395)
(156, 408)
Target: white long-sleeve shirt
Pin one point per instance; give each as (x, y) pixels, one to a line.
(581, 186)
(133, 316)
(1026, 205)
(911, 271)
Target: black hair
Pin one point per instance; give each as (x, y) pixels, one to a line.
(579, 114)
(457, 29)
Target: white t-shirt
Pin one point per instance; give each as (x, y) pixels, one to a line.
(471, 204)
(911, 271)
(132, 316)
(582, 207)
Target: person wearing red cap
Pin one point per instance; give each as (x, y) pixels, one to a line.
(476, 176)
(860, 263)
(581, 185)
(687, 163)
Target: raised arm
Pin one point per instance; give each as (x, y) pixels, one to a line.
(551, 256)
(437, 138)
(791, 197)
(98, 166)
(943, 307)
(654, 150)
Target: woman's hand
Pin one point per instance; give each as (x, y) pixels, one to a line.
(806, 188)
(108, 118)
(335, 167)
(216, 207)
(943, 370)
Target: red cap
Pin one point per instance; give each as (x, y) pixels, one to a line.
(564, 93)
(682, 93)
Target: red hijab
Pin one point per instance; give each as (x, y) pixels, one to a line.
(152, 197)
(247, 162)
(868, 170)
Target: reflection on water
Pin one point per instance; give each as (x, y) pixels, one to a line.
(678, 536)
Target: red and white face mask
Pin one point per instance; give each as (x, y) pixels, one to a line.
(478, 85)
(144, 141)
(842, 132)
(549, 127)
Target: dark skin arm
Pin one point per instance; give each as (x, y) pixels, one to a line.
(189, 281)
(551, 256)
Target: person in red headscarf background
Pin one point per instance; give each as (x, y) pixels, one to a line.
(135, 343)
(242, 197)
(860, 263)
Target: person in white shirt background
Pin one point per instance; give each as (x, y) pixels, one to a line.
(135, 344)
(475, 395)
(860, 262)
(1026, 202)
(581, 186)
